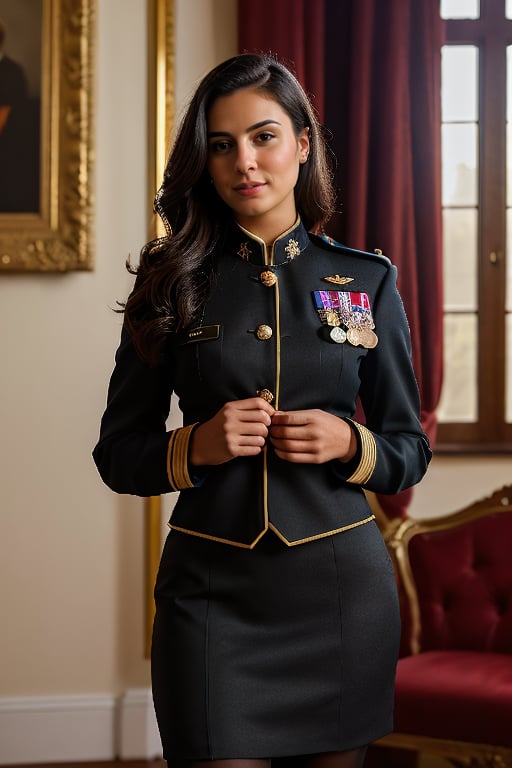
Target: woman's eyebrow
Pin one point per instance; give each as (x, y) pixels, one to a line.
(213, 134)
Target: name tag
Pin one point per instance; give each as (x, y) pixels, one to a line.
(201, 333)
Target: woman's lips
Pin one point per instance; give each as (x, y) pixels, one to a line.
(247, 190)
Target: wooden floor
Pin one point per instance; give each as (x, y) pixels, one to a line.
(424, 762)
(108, 764)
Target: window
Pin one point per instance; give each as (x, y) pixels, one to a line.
(475, 412)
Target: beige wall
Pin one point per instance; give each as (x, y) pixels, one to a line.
(70, 551)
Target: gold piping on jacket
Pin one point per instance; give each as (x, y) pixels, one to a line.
(270, 526)
(368, 456)
(270, 261)
(218, 538)
(320, 535)
(265, 491)
(260, 240)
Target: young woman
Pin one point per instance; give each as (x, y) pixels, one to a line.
(277, 625)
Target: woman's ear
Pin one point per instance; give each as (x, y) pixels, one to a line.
(303, 142)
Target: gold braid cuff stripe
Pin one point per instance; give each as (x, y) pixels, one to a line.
(177, 458)
(368, 456)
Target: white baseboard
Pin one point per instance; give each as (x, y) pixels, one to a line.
(138, 731)
(80, 728)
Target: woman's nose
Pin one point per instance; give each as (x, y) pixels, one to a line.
(245, 159)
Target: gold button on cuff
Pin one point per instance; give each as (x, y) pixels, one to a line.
(266, 394)
(264, 332)
(268, 278)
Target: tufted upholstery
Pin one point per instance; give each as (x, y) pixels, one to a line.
(454, 677)
(463, 579)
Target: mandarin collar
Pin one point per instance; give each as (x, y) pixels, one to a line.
(285, 248)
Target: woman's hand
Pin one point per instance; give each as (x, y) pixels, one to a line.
(311, 437)
(240, 428)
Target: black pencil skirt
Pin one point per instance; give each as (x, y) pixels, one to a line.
(276, 651)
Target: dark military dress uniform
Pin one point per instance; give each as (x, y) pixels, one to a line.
(277, 625)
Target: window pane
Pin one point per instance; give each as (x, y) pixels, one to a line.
(459, 395)
(509, 83)
(460, 258)
(508, 298)
(508, 9)
(509, 131)
(459, 82)
(460, 9)
(508, 363)
(509, 164)
(459, 164)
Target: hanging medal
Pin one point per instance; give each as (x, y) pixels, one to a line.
(358, 317)
(328, 308)
(347, 316)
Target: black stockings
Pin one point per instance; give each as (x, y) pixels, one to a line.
(352, 759)
(238, 763)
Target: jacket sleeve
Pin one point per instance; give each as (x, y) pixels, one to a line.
(393, 451)
(135, 453)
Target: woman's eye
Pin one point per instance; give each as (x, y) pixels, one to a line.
(265, 137)
(218, 147)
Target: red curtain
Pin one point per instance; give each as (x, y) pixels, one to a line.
(294, 30)
(377, 73)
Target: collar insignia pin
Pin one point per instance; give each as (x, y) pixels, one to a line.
(292, 249)
(244, 251)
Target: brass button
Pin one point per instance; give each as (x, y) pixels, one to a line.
(264, 332)
(268, 278)
(266, 394)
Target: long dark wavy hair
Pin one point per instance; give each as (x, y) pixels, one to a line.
(175, 272)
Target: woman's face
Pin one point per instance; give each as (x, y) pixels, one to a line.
(253, 159)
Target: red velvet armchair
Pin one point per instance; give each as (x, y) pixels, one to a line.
(454, 678)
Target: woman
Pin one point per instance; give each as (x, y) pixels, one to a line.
(277, 627)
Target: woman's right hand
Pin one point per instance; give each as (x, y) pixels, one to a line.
(240, 428)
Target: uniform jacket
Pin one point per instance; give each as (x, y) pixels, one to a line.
(262, 331)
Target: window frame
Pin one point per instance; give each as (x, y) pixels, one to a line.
(491, 33)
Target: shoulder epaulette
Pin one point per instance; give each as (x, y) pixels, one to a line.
(330, 242)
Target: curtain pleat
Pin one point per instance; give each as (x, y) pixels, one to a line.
(294, 30)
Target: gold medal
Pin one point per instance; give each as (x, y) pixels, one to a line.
(331, 318)
(369, 339)
(354, 336)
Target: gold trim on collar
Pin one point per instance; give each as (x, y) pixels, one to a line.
(269, 251)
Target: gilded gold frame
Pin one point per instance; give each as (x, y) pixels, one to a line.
(161, 115)
(58, 237)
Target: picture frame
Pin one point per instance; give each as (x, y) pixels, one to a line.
(46, 207)
(161, 98)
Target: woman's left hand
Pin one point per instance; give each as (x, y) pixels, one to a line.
(311, 437)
